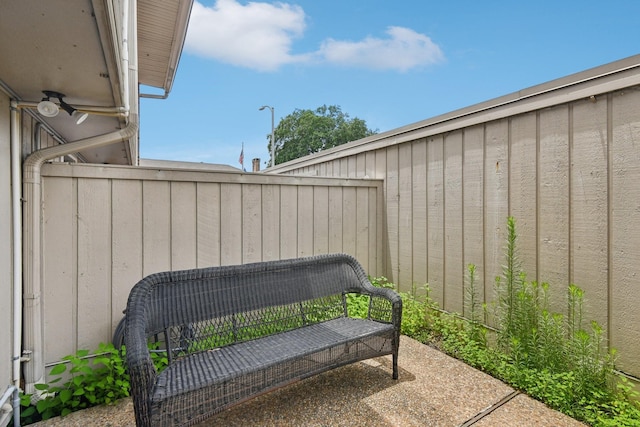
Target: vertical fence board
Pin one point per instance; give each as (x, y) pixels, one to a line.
(59, 286)
(454, 269)
(419, 212)
(352, 169)
(270, 222)
(392, 195)
(370, 168)
(156, 231)
(375, 232)
(320, 220)
(289, 222)
(94, 262)
(231, 216)
(305, 221)
(589, 206)
(625, 224)
(361, 165)
(343, 167)
(349, 225)
(362, 227)
(405, 215)
(126, 242)
(523, 188)
(553, 246)
(435, 217)
(496, 200)
(183, 225)
(473, 206)
(381, 171)
(251, 223)
(208, 223)
(335, 219)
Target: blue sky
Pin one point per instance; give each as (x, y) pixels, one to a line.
(388, 63)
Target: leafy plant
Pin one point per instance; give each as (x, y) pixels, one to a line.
(87, 382)
(558, 359)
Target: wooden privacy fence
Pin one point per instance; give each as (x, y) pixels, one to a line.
(566, 166)
(106, 227)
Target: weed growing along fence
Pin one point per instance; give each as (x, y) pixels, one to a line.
(560, 360)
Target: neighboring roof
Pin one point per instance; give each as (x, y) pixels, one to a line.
(162, 28)
(171, 164)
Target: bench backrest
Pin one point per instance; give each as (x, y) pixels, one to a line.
(209, 307)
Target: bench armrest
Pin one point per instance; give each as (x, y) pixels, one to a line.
(142, 371)
(385, 305)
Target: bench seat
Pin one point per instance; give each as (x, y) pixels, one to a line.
(221, 364)
(220, 375)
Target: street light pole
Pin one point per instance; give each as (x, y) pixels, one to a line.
(273, 142)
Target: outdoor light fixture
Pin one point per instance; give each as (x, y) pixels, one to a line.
(273, 146)
(50, 109)
(46, 107)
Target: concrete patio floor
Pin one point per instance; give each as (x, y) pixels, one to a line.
(433, 390)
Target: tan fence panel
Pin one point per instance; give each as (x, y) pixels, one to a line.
(104, 228)
(565, 165)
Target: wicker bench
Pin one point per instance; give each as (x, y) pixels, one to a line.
(237, 331)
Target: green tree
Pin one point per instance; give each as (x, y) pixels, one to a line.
(305, 132)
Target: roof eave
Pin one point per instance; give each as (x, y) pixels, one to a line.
(157, 23)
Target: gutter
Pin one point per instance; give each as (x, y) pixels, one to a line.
(32, 194)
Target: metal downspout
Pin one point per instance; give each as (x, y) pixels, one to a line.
(33, 338)
(16, 219)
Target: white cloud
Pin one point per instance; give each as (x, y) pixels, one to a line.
(403, 50)
(259, 36)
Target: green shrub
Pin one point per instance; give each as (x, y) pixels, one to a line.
(87, 382)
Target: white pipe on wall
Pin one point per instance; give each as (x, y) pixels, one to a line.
(11, 391)
(125, 54)
(16, 218)
(33, 338)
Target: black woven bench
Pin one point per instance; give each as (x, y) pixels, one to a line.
(231, 333)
